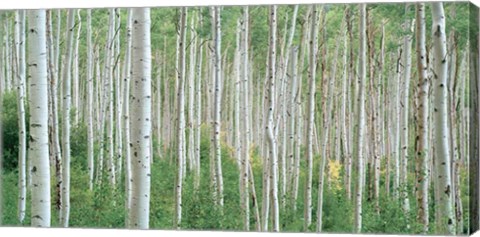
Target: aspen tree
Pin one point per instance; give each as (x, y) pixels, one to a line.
(198, 116)
(181, 120)
(66, 77)
(90, 129)
(217, 106)
(421, 164)
(20, 62)
(270, 128)
(109, 89)
(245, 163)
(191, 96)
(56, 152)
(360, 119)
(141, 118)
(38, 138)
(443, 184)
(126, 114)
(407, 66)
(76, 70)
(311, 116)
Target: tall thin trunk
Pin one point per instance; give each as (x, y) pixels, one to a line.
(311, 116)
(244, 170)
(421, 164)
(444, 217)
(65, 208)
(76, 71)
(90, 129)
(217, 106)
(270, 128)
(38, 141)
(126, 115)
(141, 118)
(20, 52)
(181, 120)
(407, 65)
(360, 119)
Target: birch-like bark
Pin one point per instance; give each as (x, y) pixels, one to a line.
(22, 145)
(109, 89)
(198, 116)
(360, 119)
(444, 217)
(245, 163)
(38, 139)
(311, 116)
(141, 118)
(126, 115)
(90, 91)
(407, 66)
(76, 71)
(217, 106)
(181, 120)
(66, 77)
(270, 129)
(191, 89)
(421, 159)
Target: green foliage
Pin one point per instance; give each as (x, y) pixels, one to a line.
(10, 130)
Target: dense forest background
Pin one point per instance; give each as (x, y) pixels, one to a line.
(260, 118)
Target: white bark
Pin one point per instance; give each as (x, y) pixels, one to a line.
(244, 170)
(444, 217)
(65, 208)
(20, 60)
(407, 64)
(311, 116)
(141, 118)
(38, 140)
(126, 115)
(76, 71)
(270, 128)
(217, 106)
(90, 129)
(360, 119)
(181, 120)
(422, 144)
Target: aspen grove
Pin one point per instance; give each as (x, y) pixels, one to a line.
(351, 118)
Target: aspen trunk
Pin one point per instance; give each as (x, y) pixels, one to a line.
(181, 120)
(90, 129)
(38, 142)
(443, 183)
(141, 118)
(421, 164)
(66, 77)
(270, 129)
(360, 119)
(126, 116)
(217, 107)
(20, 61)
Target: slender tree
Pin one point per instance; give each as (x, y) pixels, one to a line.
(181, 121)
(311, 115)
(141, 119)
(360, 119)
(66, 77)
(38, 138)
(444, 217)
(20, 62)
(421, 164)
(217, 105)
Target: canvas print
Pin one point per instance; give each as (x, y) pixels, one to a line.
(331, 118)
